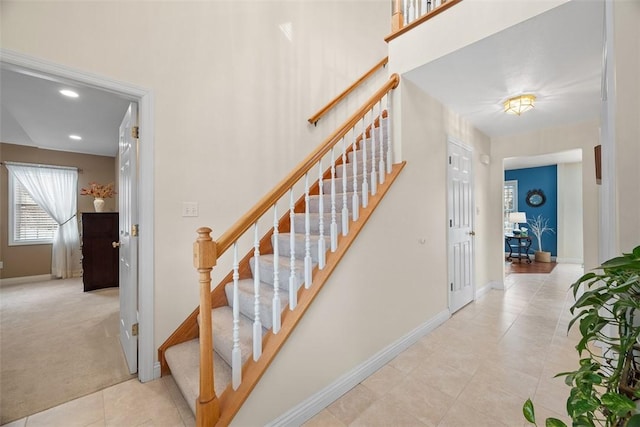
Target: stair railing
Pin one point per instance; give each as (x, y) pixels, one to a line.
(369, 129)
(324, 110)
(407, 14)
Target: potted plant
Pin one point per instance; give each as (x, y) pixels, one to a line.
(605, 388)
(539, 226)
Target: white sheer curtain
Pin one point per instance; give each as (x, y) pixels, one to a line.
(56, 191)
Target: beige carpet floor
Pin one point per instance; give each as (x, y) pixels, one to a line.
(57, 343)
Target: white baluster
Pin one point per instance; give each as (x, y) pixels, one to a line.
(405, 12)
(381, 165)
(345, 208)
(389, 134)
(293, 282)
(257, 324)
(236, 355)
(423, 7)
(374, 174)
(365, 181)
(277, 310)
(355, 203)
(321, 243)
(307, 235)
(412, 11)
(334, 224)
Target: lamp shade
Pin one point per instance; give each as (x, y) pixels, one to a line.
(519, 217)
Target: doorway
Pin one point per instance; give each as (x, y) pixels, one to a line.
(145, 271)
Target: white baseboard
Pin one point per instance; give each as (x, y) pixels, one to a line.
(489, 286)
(304, 411)
(569, 260)
(25, 279)
(156, 371)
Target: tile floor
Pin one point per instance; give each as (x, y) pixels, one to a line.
(476, 369)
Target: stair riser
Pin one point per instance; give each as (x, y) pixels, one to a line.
(284, 246)
(284, 272)
(359, 155)
(246, 300)
(299, 222)
(314, 203)
(326, 185)
(340, 169)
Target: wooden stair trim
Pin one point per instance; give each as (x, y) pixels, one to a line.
(424, 18)
(317, 116)
(188, 329)
(252, 371)
(225, 241)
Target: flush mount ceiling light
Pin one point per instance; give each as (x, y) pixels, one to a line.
(69, 93)
(519, 104)
(75, 137)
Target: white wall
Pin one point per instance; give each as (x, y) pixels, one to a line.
(232, 95)
(461, 25)
(627, 125)
(570, 212)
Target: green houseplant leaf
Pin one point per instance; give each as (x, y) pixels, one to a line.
(606, 313)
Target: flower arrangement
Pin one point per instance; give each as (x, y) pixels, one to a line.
(98, 190)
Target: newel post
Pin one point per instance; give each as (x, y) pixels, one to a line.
(397, 19)
(204, 259)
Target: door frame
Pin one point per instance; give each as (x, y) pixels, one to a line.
(147, 370)
(455, 141)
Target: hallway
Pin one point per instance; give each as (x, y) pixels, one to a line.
(476, 369)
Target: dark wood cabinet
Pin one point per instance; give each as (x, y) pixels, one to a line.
(99, 257)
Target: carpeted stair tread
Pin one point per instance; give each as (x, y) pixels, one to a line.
(300, 246)
(314, 221)
(184, 362)
(222, 331)
(326, 184)
(347, 169)
(247, 300)
(284, 270)
(314, 202)
(359, 154)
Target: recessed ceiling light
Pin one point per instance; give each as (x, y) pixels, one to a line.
(76, 137)
(69, 93)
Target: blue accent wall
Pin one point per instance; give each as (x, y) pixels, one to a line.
(544, 178)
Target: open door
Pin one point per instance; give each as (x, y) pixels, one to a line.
(128, 235)
(460, 237)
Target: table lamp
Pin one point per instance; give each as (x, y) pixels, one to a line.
(517, 218)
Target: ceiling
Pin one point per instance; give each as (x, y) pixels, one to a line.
(556, 55)
(34, 113)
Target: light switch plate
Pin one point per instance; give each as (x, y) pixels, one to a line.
(189, 209)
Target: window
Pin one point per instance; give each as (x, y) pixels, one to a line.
(510, 203)
(30, 224)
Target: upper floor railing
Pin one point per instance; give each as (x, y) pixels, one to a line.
(408, 14)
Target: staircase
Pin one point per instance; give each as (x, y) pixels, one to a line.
(257, 305)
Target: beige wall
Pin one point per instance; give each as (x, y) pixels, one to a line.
(385, 287)
(33, 260)
(231, 97)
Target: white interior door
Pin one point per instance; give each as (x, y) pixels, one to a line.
(127, 198)
(460, 238)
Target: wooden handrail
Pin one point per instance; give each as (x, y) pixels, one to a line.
(317, 116)
(423, 18)
(242, 225)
